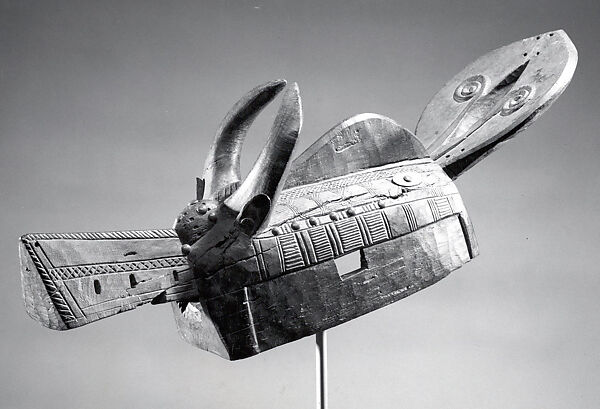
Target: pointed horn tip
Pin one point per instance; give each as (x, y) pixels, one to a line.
(277, 84)
(292, 97)
(293, 92)
(269, 90)
(296, 89)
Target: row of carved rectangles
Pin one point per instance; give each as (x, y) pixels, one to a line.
(440, 207)
(326, 242)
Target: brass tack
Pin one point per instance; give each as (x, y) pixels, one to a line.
(201, 209)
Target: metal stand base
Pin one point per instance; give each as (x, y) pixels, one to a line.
(321, 355)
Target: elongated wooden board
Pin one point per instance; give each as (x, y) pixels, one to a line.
(71, 279)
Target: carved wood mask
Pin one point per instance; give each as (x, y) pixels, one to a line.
(251, 264)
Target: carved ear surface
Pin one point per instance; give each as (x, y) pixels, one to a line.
(254, 214)
(495, 97)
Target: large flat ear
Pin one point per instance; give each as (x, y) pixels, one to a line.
(254, 214)
(494, 98)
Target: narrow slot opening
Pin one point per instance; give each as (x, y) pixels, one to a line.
(97, 287)
(512, 77)
(350, 263)
(175, 275)
(132, 281)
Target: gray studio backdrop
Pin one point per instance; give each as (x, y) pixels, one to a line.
(107, 110)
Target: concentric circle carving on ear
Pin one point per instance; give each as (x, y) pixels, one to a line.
(469, 88)
(516, 99)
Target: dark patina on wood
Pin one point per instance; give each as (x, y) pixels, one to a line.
(251, 264)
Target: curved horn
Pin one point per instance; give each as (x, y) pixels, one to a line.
(266, 176)
(222, 166)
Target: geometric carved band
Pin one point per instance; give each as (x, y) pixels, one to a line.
(57, 299)
(321, 243)
(354, 179)
(440, 207)
(104, 235)
(66, 273)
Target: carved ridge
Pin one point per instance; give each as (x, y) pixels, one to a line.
(104, 235)
(67, 273)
